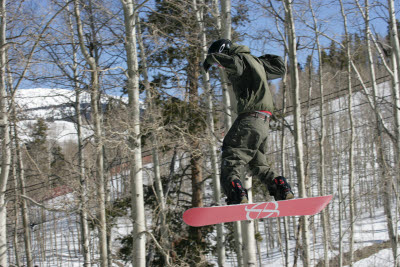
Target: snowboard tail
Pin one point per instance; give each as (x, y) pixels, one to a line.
(222, 214)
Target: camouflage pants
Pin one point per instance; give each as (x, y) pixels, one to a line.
(244, 147)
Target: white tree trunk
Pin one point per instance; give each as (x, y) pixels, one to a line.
(199, 7)
(24, 207)
(340, 218)
(249, 241)
(16, 207)
(164, 242)
(138, 214)
(387, 191)
(395, 58)
(4, 136)
(352, 131)
(20, 179)
(224, 26)
(283, 166)
(322, 138)
(84, 226)
(96, 120)
(298, 136)
(83, 213)
(394, 36)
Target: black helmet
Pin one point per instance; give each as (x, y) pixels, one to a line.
(220, 46)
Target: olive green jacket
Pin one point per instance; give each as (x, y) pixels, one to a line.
(248, 77)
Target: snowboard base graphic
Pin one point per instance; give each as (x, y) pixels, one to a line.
(222, 214)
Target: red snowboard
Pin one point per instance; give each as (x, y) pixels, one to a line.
(222, 214)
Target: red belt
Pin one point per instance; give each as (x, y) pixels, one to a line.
(265, 111)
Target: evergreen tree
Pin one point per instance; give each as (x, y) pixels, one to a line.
(39, 134)
(57, 164)
(359, 51)
(184, 115)
(37, 146)
(324, 57)
(37, 154)
(333, 52)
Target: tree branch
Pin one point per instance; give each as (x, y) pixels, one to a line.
(48, 208)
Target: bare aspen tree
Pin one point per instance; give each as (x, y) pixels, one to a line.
(283, 157)
(322, 177)
(72, 45)
(4, 136)
(138, 216)
(96, 117)
(83, 213)
(387, 190)
(248, 232)
(394, 73)
(283, 163)
(395, 59)
(367, 93)
(16, 221)
(224, 26)
(73, 48)
(23, 204)
(199, 7)
(85, 233)
(352, 133)
(165, 244)
(298, 135)
(226, 32)
(340, 219)
(394, 39)
(20, 174)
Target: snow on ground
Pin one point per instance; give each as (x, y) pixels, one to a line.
(62, 229)
(368, 231)
(380, 259)
(61, 233)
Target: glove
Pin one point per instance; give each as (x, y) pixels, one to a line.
(208, 62)
(206, 65)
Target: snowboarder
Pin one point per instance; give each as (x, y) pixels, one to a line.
(246, 141)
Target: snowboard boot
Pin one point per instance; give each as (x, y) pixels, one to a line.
(280, 189)
(237, 193)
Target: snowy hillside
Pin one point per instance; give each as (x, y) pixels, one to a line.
(48, 103)
(56, 107)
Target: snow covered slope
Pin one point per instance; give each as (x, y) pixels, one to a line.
(56, 107)
(47, 103)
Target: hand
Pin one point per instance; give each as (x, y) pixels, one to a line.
(206, 65)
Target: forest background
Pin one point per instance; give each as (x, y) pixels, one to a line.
(148, 118)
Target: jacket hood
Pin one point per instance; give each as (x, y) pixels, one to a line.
(235, 48)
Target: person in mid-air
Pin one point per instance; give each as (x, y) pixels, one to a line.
(245, 144)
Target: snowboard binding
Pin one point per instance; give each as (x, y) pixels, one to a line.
(237, 194)
(280, 189)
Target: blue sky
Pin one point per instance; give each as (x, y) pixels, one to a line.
(260, 31)
(263, 27)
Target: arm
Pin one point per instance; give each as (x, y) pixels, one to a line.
(273, 65)
(232, 64)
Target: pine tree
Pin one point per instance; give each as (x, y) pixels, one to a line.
(57, 163)
(37, 149)
(177, 20)
(39, 134)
